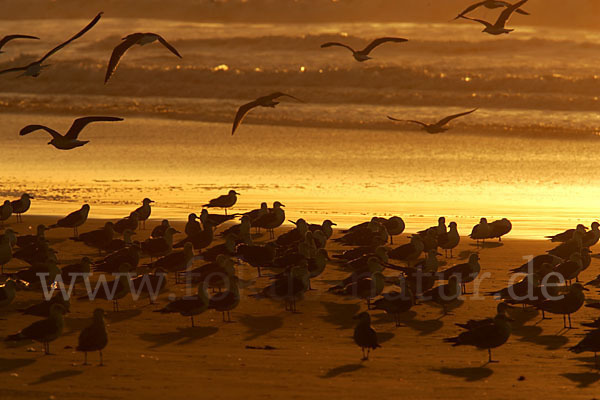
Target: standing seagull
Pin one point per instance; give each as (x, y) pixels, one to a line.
(438, 127)
(21, 206)
(69, 140)
(35, 68)
(73, 220)
(94, 337)
(499, 27)
(130, 40)
(224, 201)
(363, 55)
(491, 4)
(265, 101)
(144, 211)
(8, 38)
(365, 336)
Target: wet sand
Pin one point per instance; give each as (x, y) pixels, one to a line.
(152, 355)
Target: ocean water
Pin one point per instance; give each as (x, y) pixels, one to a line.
(529, 153)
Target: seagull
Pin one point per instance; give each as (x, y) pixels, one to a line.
(395, 303)
(363, 55)
(21, 206)
(499, 27)
(35, 68)
(73, 220)
(128, 41)
(144, 211)
(491, 4)
(438, 127)
(224, 201)
(44, 331)
(6, 211)
(69, 140)
(226, 301)
(188, 306)
(485, 334)
(42, 309)
(265, 101)
(466, 272)
(365, 336)
(94, 337)
(8, 38)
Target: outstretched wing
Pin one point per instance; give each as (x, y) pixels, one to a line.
(329, 44)
(78, 35)
(168, 46)
(444, 121)
(241, 113)
(31, 128)
(4, 71)
(381, 41)
(80, 123)
(505, 15)
(469, 9)
(407, 120)
(280, 94)
(487, 24)
(8, 38)
(118, 52)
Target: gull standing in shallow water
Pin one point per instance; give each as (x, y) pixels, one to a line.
(265, 101)
(438, 127)
(35, 68)
(141, 39)
(499, 28)
(363, 55)
(491, 4)
(8, 38)
(69, 140)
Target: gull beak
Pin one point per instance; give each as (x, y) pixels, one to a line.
(239, 194)
(334, 224)
(49, 143)
(586, 289)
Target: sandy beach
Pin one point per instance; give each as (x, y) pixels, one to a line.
(152, 355)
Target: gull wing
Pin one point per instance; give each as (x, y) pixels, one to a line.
(487, 24)
(118, 52)
(407, 120)
(505, 15)
(80, 123)
(329, 44)
(168, 46)
(78, 35)
(470, 8)
(381, 41)
(8, 38)
(241, 113)
(280, 94)
(13, 70)
(449, 118)
(31, 128)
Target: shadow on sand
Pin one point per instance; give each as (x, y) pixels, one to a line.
(343, 369)
(183, 336)
(340, 314)
(582, 379)
(259, 326)
(53, 376)
(11, 364)
(471, 374)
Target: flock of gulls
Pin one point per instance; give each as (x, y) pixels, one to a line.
(290, 260)
(70, 141)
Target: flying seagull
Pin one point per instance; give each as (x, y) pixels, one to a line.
(35, 68)
(491, 4)
(8, 38)
(128, 41)
(499, 27)
(438, 127)
(69, 140)
(363, 55)
(265, 101)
